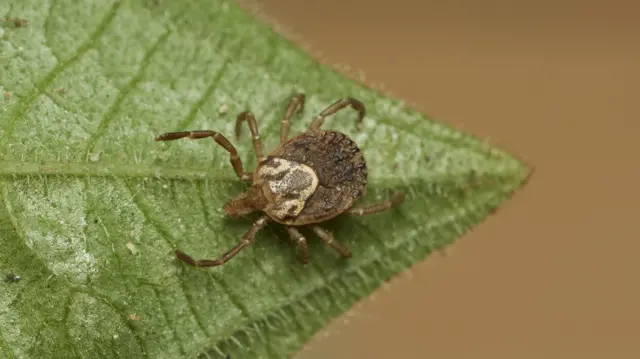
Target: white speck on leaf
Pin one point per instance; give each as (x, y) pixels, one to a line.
(394, 136)
(132, 248)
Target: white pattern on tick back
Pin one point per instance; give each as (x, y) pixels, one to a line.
(289, 184)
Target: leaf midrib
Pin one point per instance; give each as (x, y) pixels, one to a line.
(11, 168)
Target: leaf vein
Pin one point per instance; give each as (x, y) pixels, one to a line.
(193, 111)
(65, 320)
(165, 314)
(47, 27)
(58, 102)
(101, 297)
(73, 169)
(19, 235)
(92, 292)
(217, 77)
(21, 108)
(115, 106)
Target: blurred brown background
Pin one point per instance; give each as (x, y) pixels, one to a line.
(556, 273)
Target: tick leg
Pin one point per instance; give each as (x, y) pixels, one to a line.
(328, 239)
(318, 121)
(255, 134)
(235, 160)
(247, 239)
(295, 105)
(397, 199)
(301, 242)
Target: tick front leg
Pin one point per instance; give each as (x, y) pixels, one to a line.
(318, 121)
(301, 242)
(328, 239)
(296, 105)
(255, 134)
(247, 239)
(235, 160)
(395, 200)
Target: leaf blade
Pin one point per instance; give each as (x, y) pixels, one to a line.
(82, 179)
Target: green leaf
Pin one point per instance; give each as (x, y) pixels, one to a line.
(92, 207)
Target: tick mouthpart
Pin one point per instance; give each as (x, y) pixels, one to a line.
(230, 212)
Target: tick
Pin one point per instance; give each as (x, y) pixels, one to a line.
(304, 181)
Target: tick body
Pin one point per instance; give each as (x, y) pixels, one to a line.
(306, 180)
